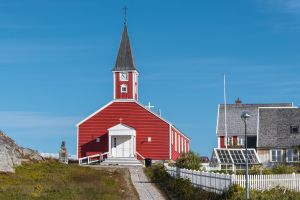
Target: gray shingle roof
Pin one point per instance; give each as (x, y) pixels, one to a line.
(274, 127)
(125, 59)
(235, 125)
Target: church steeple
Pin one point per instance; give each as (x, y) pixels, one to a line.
(124, 72)
(125, 59)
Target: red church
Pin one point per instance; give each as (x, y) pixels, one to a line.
(124, 128)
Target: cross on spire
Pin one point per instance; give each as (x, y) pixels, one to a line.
(125, 14)
(149, 106)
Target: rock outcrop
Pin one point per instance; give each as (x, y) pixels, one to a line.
(11, 154)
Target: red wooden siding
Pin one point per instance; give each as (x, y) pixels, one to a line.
(131, 93)
(145, 123)
(176, 136)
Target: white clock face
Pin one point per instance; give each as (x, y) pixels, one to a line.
(123, 76)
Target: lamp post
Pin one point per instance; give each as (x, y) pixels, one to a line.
(245, 116)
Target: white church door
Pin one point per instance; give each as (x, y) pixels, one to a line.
(121, 146)
(122, 141)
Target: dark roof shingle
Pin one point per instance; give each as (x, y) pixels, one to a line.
(125, 59)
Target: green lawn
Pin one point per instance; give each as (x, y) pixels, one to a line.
(52, 180)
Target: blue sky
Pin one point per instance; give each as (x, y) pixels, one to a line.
(56, 58)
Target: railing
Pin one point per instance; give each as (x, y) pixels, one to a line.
(218, 183)
(140, 155)
(91, 159)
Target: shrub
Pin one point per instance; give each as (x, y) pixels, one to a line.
(190, 160)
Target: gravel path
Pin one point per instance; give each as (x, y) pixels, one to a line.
(143, 186)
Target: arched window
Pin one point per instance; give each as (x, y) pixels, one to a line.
(123, 88)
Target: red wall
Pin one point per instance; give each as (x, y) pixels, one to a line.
(133, 115)
(175, 151)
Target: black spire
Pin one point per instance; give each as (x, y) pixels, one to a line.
(125, 59)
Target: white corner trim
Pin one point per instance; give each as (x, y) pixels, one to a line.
(78, 124)
(257, 128)
(218, 119)
(77, 144)
(170, 146)
(114, 84)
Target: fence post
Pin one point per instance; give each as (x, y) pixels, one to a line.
(177, 172)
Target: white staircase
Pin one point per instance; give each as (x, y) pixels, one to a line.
(122, 162)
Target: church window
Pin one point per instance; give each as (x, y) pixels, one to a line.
(178, 143)
(172, 137)
(175, 141)
(182, 144)
(123, 88)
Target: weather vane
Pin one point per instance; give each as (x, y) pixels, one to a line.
(125, 13)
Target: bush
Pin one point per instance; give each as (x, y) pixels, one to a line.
(190, 160)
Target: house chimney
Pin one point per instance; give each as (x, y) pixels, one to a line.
(238, 101)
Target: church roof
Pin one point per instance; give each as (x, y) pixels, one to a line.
(125, 59)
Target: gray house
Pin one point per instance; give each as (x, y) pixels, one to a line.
(278, 136)
(273, 130)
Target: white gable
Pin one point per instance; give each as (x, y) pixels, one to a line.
(120, 127)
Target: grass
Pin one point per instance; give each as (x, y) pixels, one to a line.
(52, 180)
(183, 189)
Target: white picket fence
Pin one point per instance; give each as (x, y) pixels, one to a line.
(208, 181)
(266, 182)
(219, 183)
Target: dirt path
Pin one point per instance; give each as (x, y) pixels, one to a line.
(144, 187)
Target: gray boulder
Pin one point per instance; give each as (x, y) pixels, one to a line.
(11, 154)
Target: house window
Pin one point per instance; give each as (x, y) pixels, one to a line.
(184, 145)
(294, 129)
(240, 141)
(292, 155)
(123, 88)
(276, 155)
(229, 141)
(97, 139)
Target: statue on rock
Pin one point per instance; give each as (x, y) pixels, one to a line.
(63, 153)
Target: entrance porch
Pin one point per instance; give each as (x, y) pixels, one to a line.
(121, 142)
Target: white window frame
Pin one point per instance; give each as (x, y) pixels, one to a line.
(276, 150)
(178, 143)
(287, 157)
(124, 86)
(240, 141)
(175, 141)
(182, 144)
(121, 77)
(172, 137)
(229, 141)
